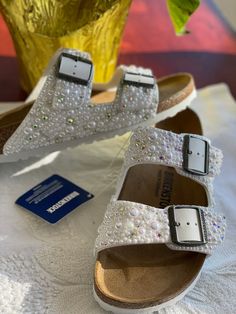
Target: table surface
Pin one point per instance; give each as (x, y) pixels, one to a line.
(209, 52)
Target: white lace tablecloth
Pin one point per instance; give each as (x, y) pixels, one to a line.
(49, 268)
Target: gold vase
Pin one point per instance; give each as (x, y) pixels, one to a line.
(40, 27)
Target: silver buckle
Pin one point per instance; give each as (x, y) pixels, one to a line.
(139, 80)
(187, 225)
(195, 155)
(75, 69)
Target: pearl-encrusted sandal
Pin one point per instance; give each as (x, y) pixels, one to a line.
(59, 113)
(161, 223)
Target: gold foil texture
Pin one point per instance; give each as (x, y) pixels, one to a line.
(39, 27)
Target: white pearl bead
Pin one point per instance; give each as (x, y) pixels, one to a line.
(129, 225)
(92, 124)
(28, 130)
(152, 149)
(134, 212)
(154, 225)
(142, 230)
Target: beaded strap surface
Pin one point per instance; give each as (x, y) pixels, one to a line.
(164, 147)
(129, 223)
(156, 146)
(63, 111)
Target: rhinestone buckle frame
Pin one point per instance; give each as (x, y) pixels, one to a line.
(196, 155)
(75, 69)
(195, 226)
(135, 79)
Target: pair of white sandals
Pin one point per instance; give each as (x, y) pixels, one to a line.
(160, 225)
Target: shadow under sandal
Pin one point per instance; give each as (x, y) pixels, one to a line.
(60, 113)
(161, 223)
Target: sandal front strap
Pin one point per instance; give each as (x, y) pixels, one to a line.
(72, 79)
(185, 228)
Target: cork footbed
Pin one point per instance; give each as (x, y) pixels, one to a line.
(142, 276)
(173, 90)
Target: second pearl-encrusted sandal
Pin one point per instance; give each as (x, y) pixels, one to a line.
(161, 223)
(60, 114)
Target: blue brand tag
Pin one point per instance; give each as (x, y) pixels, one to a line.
(53, 198)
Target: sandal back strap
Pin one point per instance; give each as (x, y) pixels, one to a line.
(190, 154)
(138, 90)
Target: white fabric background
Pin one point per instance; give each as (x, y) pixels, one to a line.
(49, 268)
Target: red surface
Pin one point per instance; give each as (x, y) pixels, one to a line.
(207, 68)
(149, 29)
(209, 52)
(6, 45)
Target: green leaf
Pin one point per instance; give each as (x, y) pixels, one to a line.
(180, 12)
